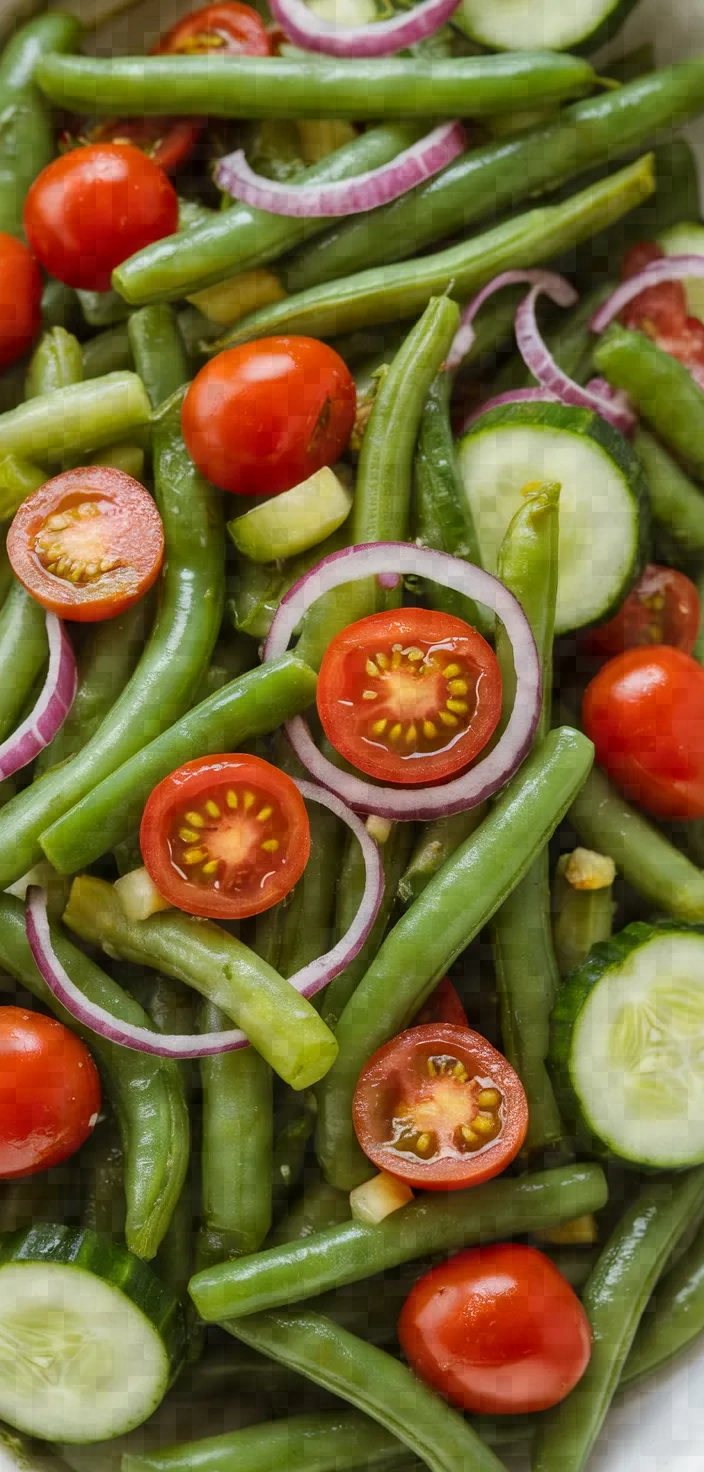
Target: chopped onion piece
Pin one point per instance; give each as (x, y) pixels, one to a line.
(556, 287)
(538, 358)
(379, 38)
(52, 707)
(670, 268)
(376, 1199)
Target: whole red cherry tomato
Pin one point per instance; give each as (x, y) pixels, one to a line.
(496, 1330)
(644, 711)
(91, 209)
(663, 608)
(661, 312)
(49, 1092)
(259, 419)
(20, 299)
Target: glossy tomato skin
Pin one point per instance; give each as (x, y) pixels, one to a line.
(261, 418)
(20, 300)
(211, 809)
(95, 206)
(663, 608)
(169, 142)
(98, 518)
(496, 1330)
(443, 1005)
(228, 27)
(644, 711)
(419, 1092)
(49, 1093)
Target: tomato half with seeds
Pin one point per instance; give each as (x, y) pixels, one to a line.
(49, 1092)
(440, 1108)
(227, 27)
(225, 836)
(663, 608)
(660, 312)
(88, 543)
(443, 1005)
(410, 696)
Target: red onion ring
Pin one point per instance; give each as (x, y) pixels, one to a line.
(493, 770)
(348, 196)
(52, 707)
(670, 268)
(309, 980)
(538, 358)
(549, 281)
(512, 396)
(378, 38)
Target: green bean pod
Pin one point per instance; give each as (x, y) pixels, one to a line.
(289, 1155)
(661, 389)
(316, 1209)
(23, 652)
(437, 843)
(104, 1166)
(443, 519)
(307, 921)
(56, 362)
(108, 352)
(677, 504)
(18, 479)
(27, 135)
(74, 420)
(158, 352)
(672, 1319)
(581, 918)
(394, 854)
(331, 1441)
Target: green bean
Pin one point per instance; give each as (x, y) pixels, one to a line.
(102, 308)
(374, 1311)
(308, 917)
(419, 950)
(124, 456)
(676, 198)
(27, 138)
(672, 1319)
(56, 362)
(60, 306)
(171, 666)
(74, 420)
(437, 1222)
(316, 1209)
(391, 292)
(329, 1442)
(238, 1123)
(662, 390)
(104, 1205)
(241, 238)
(394, 854)
(289, 1156)
(260, 586)
(146, 1092)
(437, 843)
(382, 501)
(251, 705)
(581, 918)
(280, 1023)
(615, 1296)
(158, 352)
(677, 504)
(642, 854)
(108, 352)
(229, 87)
(7, 576)
(23, 653)
(442, 512)
(372, 1380)
(18, 479)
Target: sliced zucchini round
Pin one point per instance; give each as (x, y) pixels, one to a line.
(627, 1046)
(89, 1338)
(524, 25)
(687, 240)
(603, 500)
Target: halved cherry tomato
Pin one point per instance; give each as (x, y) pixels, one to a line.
(411, 696)
(661, 312)
(443, 1005)
(663, 608)
(259, 419)
(88, 543)
(49, 1092)
(440, 1108)
(169, 142)
(20, 299)
(497, 1330)
(644, 711)
(225, 836)
(89, 210)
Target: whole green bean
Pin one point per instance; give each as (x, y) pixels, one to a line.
(369, 1378)
(56, 362)
(614, 1297)
(436, 1222)
(158, 352)
(171, 666)
(329, 1442)
(443, 518)
(74, 420)
(672, 1319)
(238, 1124)
(662, 390)
(598, 260)
(18, 479)
(642, 854)
(146, 1092)
(387, 293)
(677, 504)
(279, 1022)
(581, 918)
(394, 854)
(308, 919)
(102, 308)
(437, 843)
(241, 238)
(27, 136)
(289, 1156)
(104, 1166)
(419, 950)
(23, 652)
(108, 352)
(316, 1209)
(60, 307)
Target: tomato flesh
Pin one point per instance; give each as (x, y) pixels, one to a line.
(411, 696)
(663, 608)
(88, 543)
(661, 312)
(496, 1330)
(440, 1108)
(49, 1093)
(20, 300)
(225, 836)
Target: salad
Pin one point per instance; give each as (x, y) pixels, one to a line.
(351, 740)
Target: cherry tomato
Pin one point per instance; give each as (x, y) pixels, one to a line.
(169, 142)
(443, 1005)
(20, 299)
(496, 1330)
(259, 419)
(49, 1092)
(663, 608)
(644, 711)
(226, 27)
(95, 206)
(88, 543)
(411, 696)
(440, 1108)
(661, 312)
(225, 836)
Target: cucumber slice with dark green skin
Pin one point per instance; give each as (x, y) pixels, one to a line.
(521, 25)
(603, 499)
(90, 1340)
(627, 1046)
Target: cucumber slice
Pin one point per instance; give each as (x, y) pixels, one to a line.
(293, 522)
(603, 501)
(524, 25)
(89, 1337)
(627, 1049)
(687, 240)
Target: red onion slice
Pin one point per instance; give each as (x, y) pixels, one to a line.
(308, 981)
(489, 773)
(555, 286)
(512, 396)
(52, 707)
(348, 196)
(378, 38)
(538, 358)
(670, 268)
